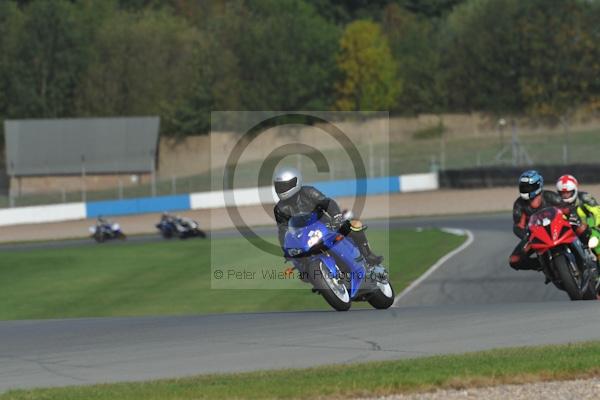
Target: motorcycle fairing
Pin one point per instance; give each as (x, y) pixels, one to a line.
(549, 229)
(317, 236)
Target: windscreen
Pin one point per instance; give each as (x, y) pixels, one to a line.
(302, 220)
(543, 217)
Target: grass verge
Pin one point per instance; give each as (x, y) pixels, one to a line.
(174, 277)
(515, 365)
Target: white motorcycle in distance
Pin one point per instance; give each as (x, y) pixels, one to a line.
(105, 230)
(181, 227)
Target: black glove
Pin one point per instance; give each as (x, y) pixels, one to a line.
(336, 222)
(574, 219)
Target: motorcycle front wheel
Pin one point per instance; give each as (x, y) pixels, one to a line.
(569, 276)
(333, 289)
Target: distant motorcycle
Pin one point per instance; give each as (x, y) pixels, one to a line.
(331, 262)
(105, 230)
(182, 228)
(564, 259)
(167, 227)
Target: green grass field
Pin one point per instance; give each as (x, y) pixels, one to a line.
(173, 277)
(517, 365)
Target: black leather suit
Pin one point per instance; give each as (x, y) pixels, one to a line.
(522, 210)
(309, 199)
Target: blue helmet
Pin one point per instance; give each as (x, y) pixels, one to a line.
(531, 184)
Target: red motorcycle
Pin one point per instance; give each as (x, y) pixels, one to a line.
(565, 261)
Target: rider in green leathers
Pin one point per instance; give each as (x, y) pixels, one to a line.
(582, 206)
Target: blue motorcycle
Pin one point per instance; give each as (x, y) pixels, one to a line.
(167, 228)
(182, 228)
(329, 260)
(105, 230)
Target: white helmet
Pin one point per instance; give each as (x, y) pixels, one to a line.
(288, 182)
(567, 188)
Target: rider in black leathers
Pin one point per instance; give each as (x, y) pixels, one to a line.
(296, 199)
(532, 198)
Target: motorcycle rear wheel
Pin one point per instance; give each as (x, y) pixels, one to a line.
(591, 290)
(383, 298)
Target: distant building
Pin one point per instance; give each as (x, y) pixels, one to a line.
(46, 155)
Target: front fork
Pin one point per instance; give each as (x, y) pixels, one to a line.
(575, 252)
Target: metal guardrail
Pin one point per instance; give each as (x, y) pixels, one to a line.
(203, 200)
(507, 175)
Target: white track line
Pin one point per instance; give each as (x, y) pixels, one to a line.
(438, 264)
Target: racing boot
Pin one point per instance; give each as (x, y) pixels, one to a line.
(359, 237)
(378, 273)
(373, 259)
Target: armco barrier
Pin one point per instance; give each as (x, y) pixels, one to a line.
(242, 197)
(138, 206)
(37, 214)
(205, 200)
(341, 188)
(509, 175)
(418, 182)
(350, 187)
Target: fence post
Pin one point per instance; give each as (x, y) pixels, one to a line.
(371, 155)
(442, 165)
(153, 173)
(83, 186)
(434, 165)
(120, 192)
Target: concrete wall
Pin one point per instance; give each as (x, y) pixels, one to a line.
(209, 200)
(37, 214)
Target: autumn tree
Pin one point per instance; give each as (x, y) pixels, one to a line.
(368, 70)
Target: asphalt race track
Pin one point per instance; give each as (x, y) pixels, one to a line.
(472, 302)
(480, 274)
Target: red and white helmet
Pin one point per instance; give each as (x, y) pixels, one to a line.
(567, 188)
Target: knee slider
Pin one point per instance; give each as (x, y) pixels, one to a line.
(513, 261)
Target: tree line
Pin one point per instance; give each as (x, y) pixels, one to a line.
(180, 59)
